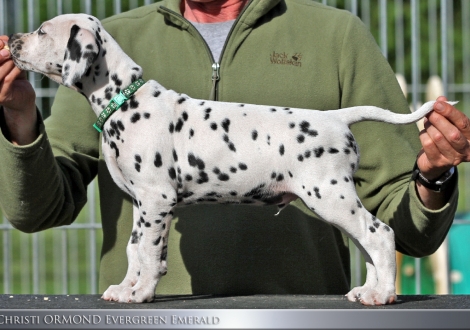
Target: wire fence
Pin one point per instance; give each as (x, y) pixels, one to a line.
(420, 38)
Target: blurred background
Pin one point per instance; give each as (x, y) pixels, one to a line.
(427, 43)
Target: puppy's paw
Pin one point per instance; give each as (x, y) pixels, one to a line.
(374, 297)
(356, 293)
(135, 295)
(113, 292)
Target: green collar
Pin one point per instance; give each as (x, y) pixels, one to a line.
(116, 103)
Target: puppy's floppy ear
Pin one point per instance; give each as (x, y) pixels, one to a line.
(82, 50)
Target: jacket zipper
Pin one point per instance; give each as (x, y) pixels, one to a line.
(215, 79)
(215, 66)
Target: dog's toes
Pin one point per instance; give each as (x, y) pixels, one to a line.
(112, 293)
(135, 295)
(356, 293)
(378, 298)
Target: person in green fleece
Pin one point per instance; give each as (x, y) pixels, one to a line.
(292, 53)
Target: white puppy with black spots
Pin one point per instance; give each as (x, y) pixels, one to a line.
(204, 151)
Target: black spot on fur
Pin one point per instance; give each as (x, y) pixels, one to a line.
(179, 125)
(281, 149)
(254, 135)
(171, 128)
(333, 151)
(135, 117)
(333, 182)
(207, 113)
(172, 173)
(372, 229)
(175, 156)
(134, 237)
(113, 145)
(242, 166)
(226, 124)
(158, 160)
(181, 100)
(300, 138)
(195, 161)
(231, 146)
(256, 192)
(317, 192)
(116, 80)
(203, 177)
(305, 128)
(73, 46)
(156, 93)
(213, 126)
(318, 152)
(359, 204)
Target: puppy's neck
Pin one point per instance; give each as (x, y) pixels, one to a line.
(113, 71)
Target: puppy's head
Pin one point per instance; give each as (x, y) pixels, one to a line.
(62, 49)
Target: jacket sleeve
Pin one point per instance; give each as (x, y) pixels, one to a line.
(44, 183)
(389, 151)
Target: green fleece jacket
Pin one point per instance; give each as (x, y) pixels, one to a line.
(292, 53)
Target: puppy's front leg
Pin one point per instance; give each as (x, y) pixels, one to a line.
(152, 253)
(133, 268)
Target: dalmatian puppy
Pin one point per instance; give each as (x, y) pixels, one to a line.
(205, 151)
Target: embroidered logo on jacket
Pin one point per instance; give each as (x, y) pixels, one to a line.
(286, 59)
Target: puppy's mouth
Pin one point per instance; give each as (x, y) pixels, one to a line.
(20, 64)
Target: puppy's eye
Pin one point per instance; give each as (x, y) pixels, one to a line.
(41, 32)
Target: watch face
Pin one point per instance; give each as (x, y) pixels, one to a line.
(446, 176)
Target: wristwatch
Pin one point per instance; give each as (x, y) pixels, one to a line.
(439, 184)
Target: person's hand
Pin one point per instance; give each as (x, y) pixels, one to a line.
(445, 140)
(17, 97)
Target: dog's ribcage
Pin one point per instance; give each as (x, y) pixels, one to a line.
(225, 152)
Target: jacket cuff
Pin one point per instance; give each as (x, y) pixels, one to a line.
(430, 227)
(5, 142)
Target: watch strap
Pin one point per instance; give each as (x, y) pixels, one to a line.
(438, 184)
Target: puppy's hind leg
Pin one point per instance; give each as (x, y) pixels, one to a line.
(341, 207)
(133, 268)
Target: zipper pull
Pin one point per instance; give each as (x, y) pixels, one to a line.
(215, 78)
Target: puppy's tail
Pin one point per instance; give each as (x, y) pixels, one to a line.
(353, 115)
